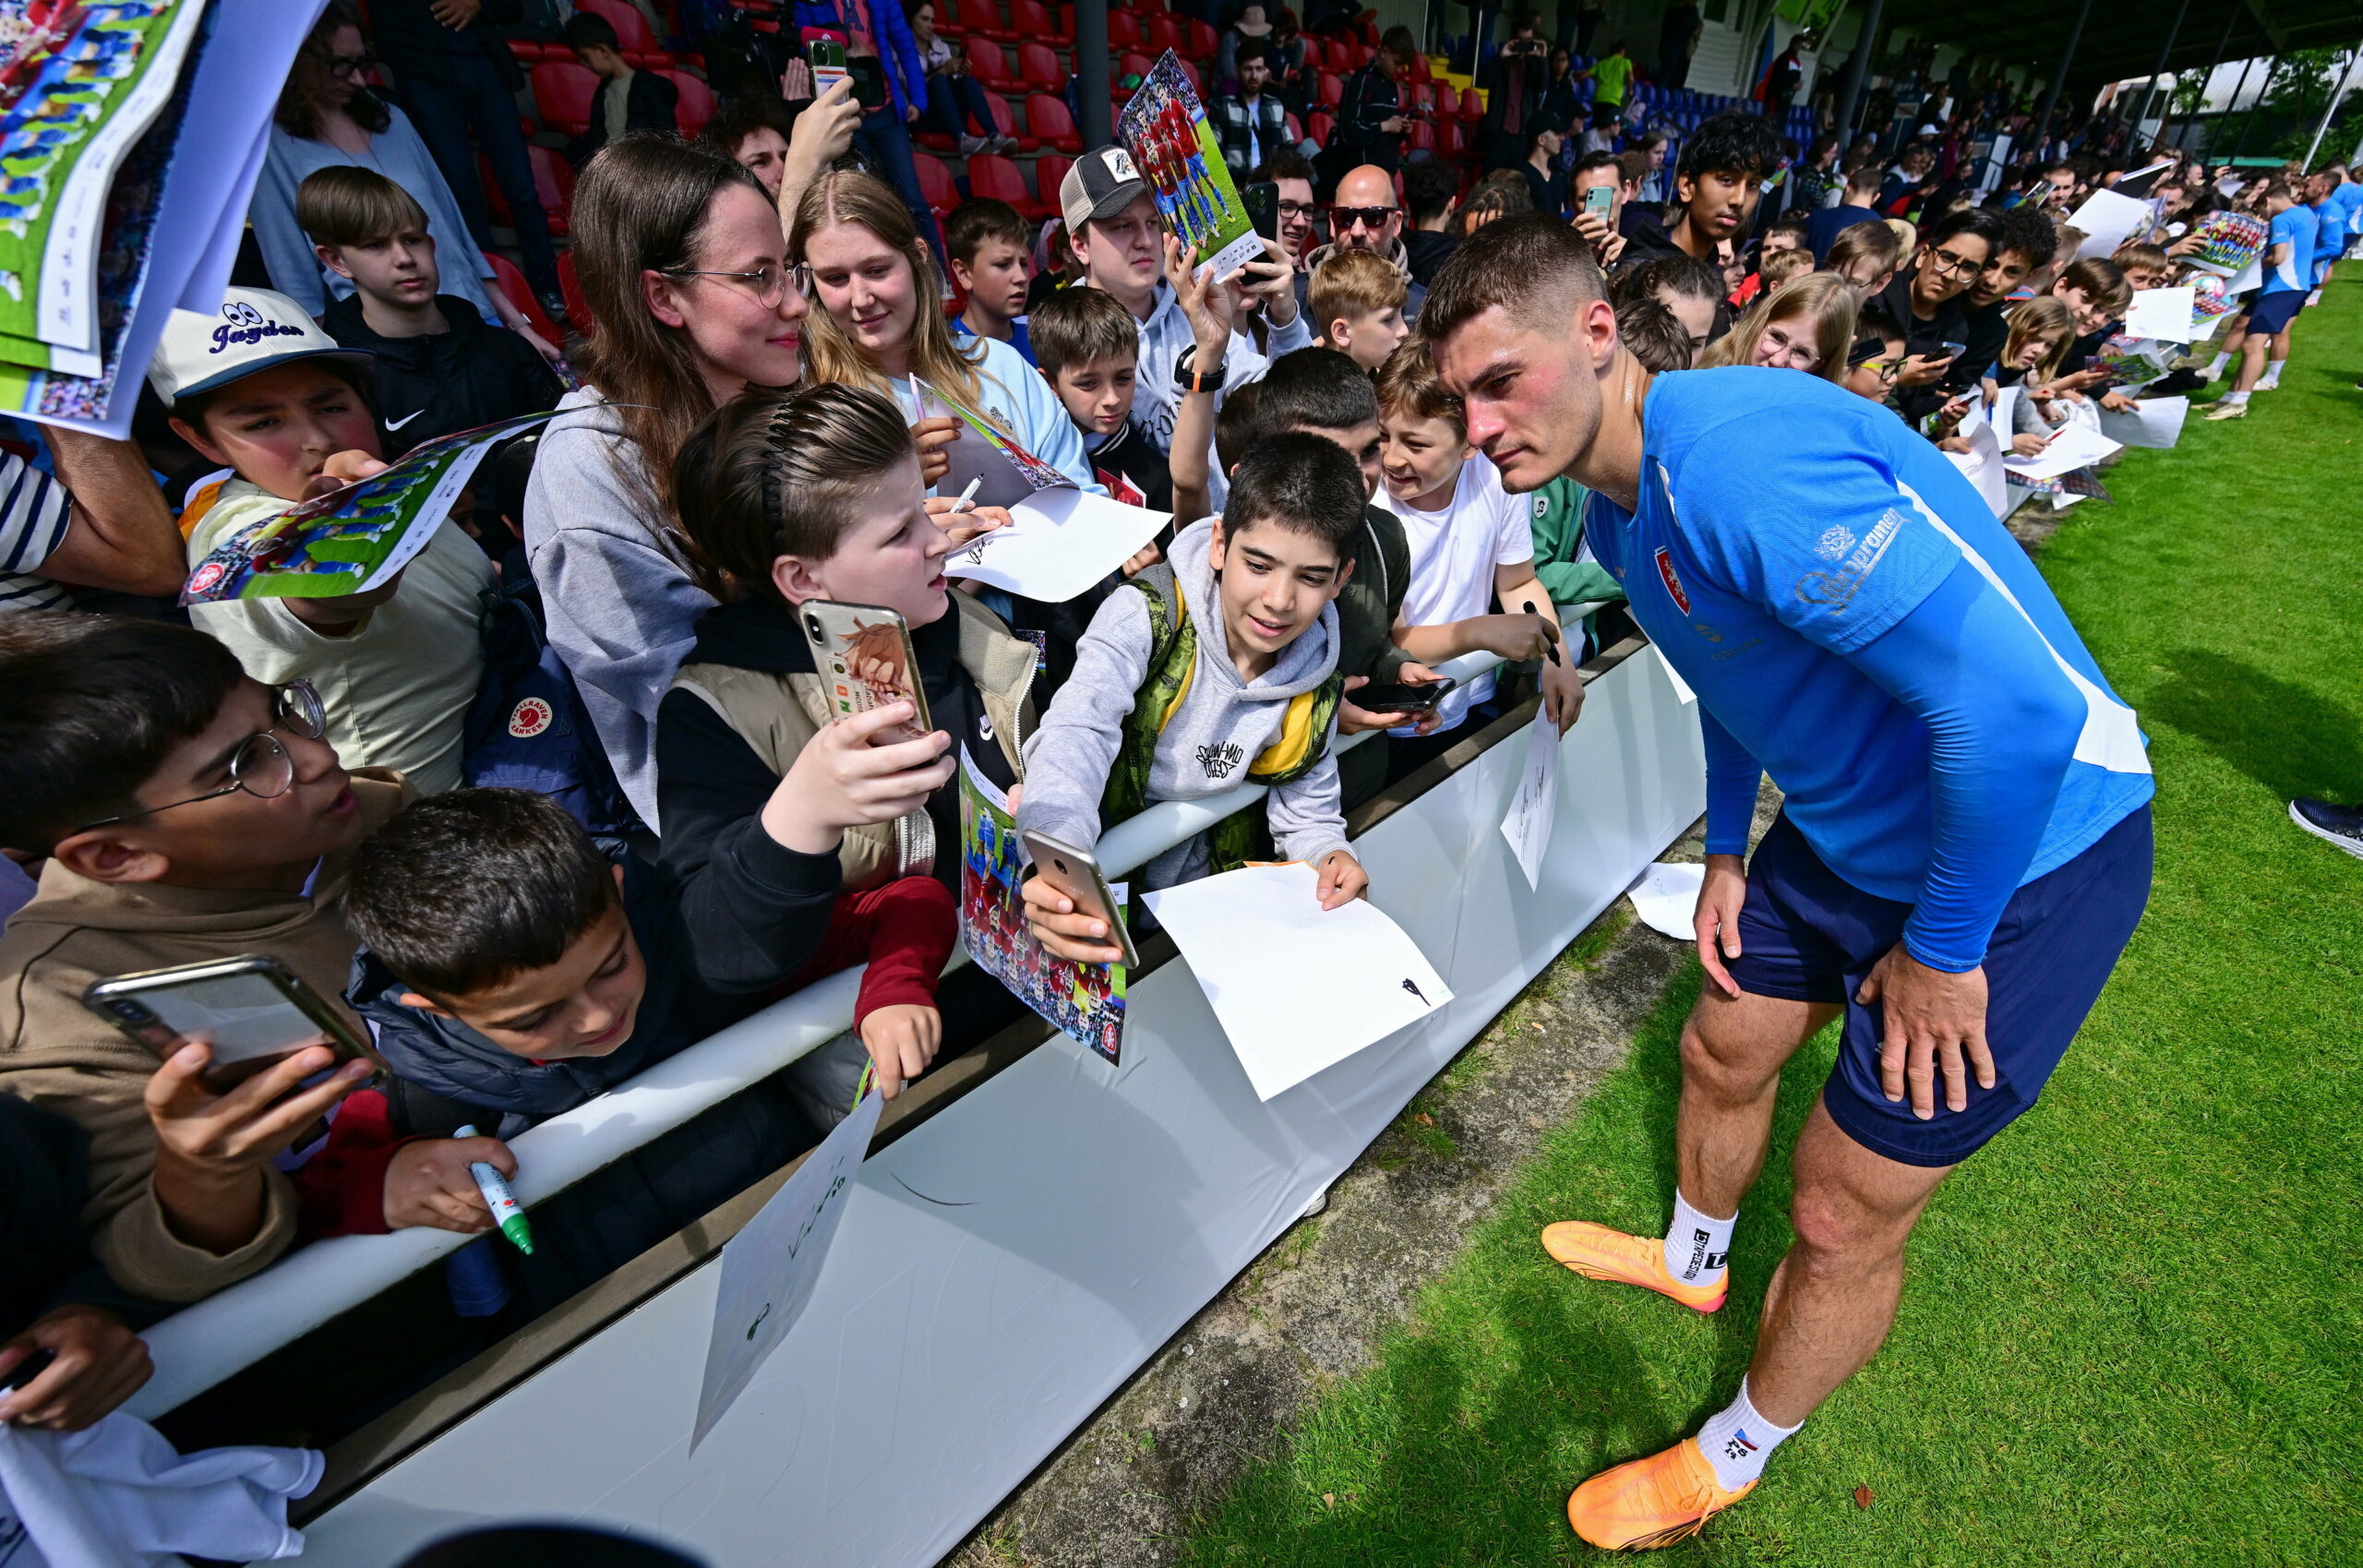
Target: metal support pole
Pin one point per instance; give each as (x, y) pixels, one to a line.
(1098, 125)
(2165, 132)
(2337, 91)
(2248, 122)
(1858, 67)
(2167, 113)
(2059, 78)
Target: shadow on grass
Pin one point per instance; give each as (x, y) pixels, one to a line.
(1516, 1379)
(2289, 739)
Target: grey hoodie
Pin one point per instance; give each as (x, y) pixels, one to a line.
(1223, 723)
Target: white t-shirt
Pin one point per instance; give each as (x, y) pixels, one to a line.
(1454, 552)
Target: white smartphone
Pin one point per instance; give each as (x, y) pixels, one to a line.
(1076, 872)
(864, 657)
(253, 1011)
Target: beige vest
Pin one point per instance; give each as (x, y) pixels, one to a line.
(777, 714)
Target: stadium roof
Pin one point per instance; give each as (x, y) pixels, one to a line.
(2121, 37)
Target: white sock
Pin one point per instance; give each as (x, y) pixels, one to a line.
(2216, 368)
(1696, 1246)
(2272, 373)
(2235, 397)
(1737, 1440)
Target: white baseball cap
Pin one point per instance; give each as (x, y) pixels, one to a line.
(254, 330)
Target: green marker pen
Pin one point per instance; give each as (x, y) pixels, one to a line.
(499, 1200)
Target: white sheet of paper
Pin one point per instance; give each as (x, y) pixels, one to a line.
(1666, 897)
(1982, 466)
(2153, 422)
(2005, 414)
(1295, 987)
(1058, 544)
(770, 1267)
(2106, 220)
(1681, 687)
(2162, 314)
(2076, 445)
(2247, 277)
(1534, 805)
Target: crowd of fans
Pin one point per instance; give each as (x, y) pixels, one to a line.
(766, 340)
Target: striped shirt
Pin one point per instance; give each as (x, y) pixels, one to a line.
(34, 513)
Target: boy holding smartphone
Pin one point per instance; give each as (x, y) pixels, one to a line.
(189, 812)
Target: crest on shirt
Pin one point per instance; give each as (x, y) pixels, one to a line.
(1834, 542)
(1673, 582)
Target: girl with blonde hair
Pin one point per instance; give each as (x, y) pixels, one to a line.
(1806, 324)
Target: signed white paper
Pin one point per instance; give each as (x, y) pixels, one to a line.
(1982, 465)
(1295, 987)
(2076, 445)
(2162, 314)
(769, 1268)
(2153, 422)
(1058, 544)
(1534, 805)
(2107, 218)
(1666, 898)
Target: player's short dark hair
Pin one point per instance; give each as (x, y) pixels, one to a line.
(1796, 224)
(1676, 273)
(1525, 264)
(1732, 143)
(1238, 425)
(1303, 483)
(90, 707)
(980, 217)
(1972, 220)
(2031, 233)
(587, 30)
(742, 116)
(1602, 159)
(464, 889)
(1428, 189)
(1315, 388)
(1653, 335)
(1284, 163)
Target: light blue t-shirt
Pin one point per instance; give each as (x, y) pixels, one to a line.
(1785, 524)
(2294, 227)
(2330, 233)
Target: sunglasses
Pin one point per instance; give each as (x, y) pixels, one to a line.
(1368, 217)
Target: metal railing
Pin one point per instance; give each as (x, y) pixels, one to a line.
(212, 1340)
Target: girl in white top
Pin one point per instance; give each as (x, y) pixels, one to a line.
(1471, 543)
(880, 325)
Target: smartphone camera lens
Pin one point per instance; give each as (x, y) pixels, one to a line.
(1059, 864)
(130, 1011)
(812, 628)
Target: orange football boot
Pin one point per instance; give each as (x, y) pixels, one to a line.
(1651, 1503)
(1597, 1252)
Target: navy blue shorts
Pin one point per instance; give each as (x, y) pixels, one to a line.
(1805, 935)
(2272, 312)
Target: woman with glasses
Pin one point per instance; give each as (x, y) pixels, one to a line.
(1928, 298)
(1806, 324)
(328, 116)
(685, 274)
(879, 326)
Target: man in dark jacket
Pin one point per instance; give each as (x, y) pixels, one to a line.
(454, 74)
(1370, 122)
(1253, 122)
(626, 100)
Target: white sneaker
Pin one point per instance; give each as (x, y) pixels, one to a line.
(2228, 410)
(972, 145)
(1005, 144)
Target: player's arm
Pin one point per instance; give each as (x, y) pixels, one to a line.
(1734, 775)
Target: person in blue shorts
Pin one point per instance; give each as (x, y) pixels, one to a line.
(2288, 274)
(1962, 851)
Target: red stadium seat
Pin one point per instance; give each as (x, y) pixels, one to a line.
(1332, 90)
(631, 27)
(1151, 8)
(1203, 42)
(1038, 68)
(990, 66)
(1197, 82)
(1424, 136)
(578, 311)
(517, 291)
(696, 106)
(1131, 64)
(1047, 118)
(1005, 120)
(935, 183)
(989, 175)
(553, 183)
(1166, 33)
(1419, 72)
(1313, 58)
(1472, 105)
(1447, 100)
(1031, 18)
(1048, 171)
(1450, 142)
(981, 18)
(1320, 126)
(562, 95)
(1296, 127)
(1124, 32)
(1416, 96)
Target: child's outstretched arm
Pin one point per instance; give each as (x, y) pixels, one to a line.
(1521, 593)
(1206, 305)
(1308, 822)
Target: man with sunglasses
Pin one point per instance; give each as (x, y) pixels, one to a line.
(188, 812)
(1929, 299)
(1365, 216)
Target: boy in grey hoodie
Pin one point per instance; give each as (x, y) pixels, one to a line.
(1222, 675)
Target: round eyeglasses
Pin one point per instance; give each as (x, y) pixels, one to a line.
(261, 766)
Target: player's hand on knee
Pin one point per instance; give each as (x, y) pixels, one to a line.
(1932, 1025)
(1716, 919)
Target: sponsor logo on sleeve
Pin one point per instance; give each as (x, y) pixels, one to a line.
(1853, 567)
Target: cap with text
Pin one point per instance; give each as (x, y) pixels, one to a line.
(1100, 184)
(255, 329)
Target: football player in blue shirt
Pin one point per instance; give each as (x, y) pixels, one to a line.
(1964, 848)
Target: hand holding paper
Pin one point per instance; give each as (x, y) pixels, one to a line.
(1058, 544)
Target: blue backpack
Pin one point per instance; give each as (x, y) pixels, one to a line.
(527, 728)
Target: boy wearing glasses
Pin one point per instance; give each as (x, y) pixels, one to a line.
(262, 391)
(1929, 300)
(188, 812)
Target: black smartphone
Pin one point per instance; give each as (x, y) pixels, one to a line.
(869, 80)
(1263, 201)
(1953, 351)
(1400, 698)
